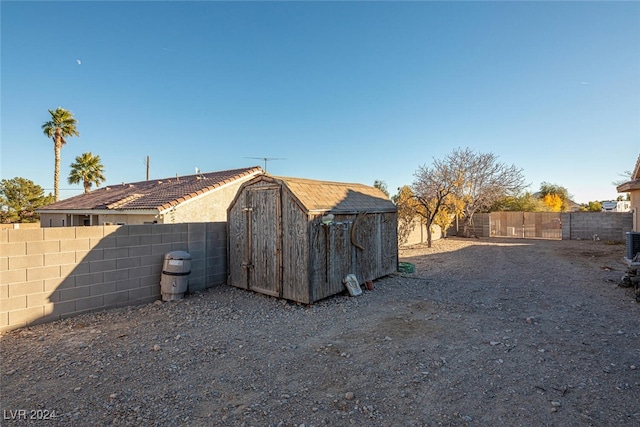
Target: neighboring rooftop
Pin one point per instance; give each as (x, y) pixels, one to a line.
(154, 194)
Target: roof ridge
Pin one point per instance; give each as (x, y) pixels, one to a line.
(156, 194)
(319, 181)
(124, 201)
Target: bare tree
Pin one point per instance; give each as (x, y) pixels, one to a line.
(432, 189)
(464, 183)
(626, 175)
(485, 181)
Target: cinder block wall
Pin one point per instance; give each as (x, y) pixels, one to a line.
(607, 225)
(51, 273)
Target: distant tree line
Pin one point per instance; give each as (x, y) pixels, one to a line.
(19, 198)
(466, 182)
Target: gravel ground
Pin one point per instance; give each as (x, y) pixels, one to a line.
(486, 332)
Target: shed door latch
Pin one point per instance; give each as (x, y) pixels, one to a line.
(247, 209)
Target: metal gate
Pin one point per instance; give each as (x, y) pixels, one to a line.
(526, 225)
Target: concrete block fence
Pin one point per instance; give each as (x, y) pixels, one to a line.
(51, 273)
(611, 226)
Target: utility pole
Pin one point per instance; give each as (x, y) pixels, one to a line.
(148, 162)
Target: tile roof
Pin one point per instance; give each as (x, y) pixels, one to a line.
(156, 194)
(327, 196)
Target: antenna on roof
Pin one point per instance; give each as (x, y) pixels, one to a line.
(266, 159)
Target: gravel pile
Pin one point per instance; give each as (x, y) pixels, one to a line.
(485, 332)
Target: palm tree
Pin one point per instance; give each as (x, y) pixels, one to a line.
(62, 125)
(88, 170)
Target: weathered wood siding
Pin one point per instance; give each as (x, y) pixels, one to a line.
(332, 255)
(264, 238)
(388, 244)
(238, 248)
(295, 256)
(279, 248)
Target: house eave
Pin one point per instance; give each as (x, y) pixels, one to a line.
(99, 211)
(628, 186)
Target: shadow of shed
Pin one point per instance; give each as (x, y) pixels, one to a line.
(279, 245)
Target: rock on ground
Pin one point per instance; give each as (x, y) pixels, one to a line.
(485, 332)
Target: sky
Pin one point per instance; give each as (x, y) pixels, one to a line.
(340, 91)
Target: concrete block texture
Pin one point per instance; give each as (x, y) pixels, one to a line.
(89, 279)
(15, 303)
(13, 276)
(59, 233)
(601, 225)
(75, 245)
(26, 288)
(25, 316)
(90, 303)
(57, 272)
(125, 285)
(86, 232)
(116, 298)
(127, 241)
(25, 235)
(26, 261)
(73, 294)
(14, 249)
(128, 263)
(59, 258)
(139, 293)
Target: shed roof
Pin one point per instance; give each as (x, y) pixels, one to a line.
(328, 196)
(156, 194)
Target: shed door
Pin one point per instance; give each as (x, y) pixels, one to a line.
(264, 242)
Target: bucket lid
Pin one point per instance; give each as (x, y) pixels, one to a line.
(178, 255)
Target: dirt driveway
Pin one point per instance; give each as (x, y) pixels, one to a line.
(485, 333)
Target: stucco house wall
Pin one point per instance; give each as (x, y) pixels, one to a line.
(210, 207)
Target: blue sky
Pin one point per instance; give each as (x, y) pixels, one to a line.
(338, 91)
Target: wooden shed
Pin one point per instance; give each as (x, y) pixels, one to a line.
(279, 244)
